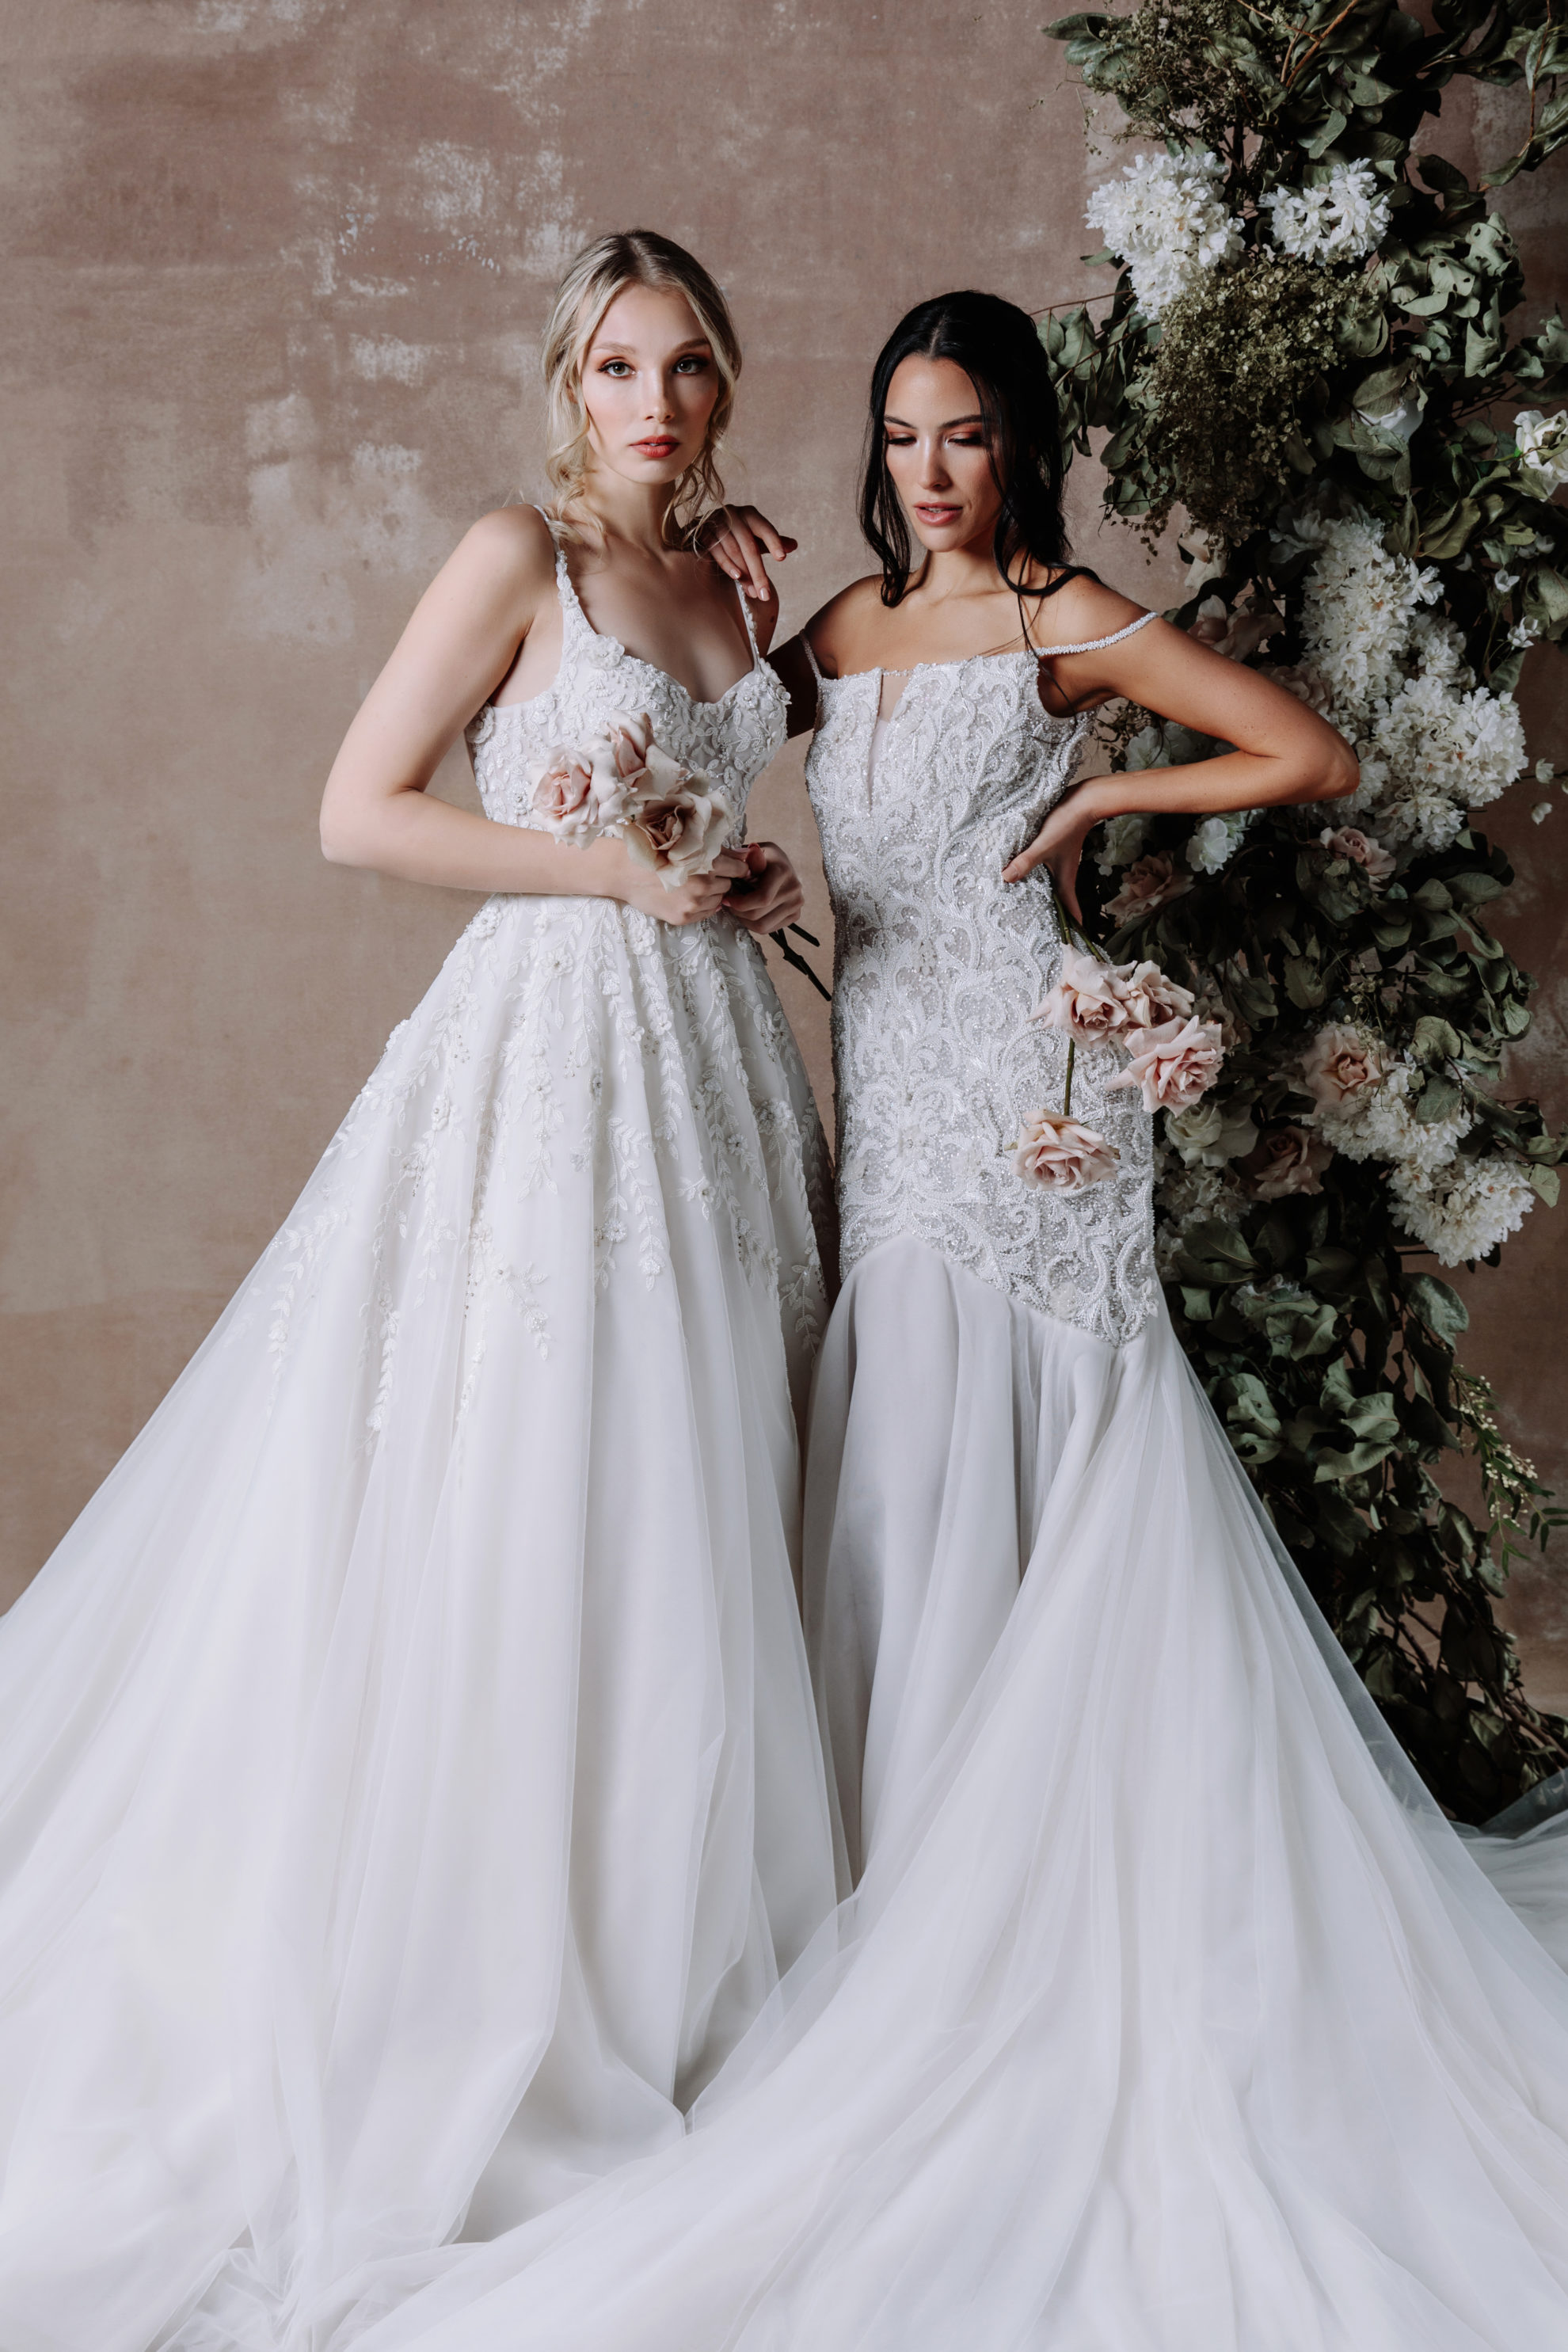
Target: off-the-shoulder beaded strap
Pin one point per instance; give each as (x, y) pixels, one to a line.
(1093, 644)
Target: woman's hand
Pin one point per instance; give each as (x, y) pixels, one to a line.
(1059, 844)
(697, 900)
(737, 538)
(774, 898)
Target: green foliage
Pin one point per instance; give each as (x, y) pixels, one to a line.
(1323, 1339)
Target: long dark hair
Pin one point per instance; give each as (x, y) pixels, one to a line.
(996, 346)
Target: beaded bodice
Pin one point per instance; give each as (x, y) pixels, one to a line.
(939, 965)
(731, 740)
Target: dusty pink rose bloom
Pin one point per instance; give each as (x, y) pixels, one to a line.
(1094, 1000)
(1359, 849)
(560, 795)
(630, 770)
(1173, 1064)
(1305, 683)
(1287, 1160)
(680, 835)
(1150, 997)
(1150, 882)
(1054, 1152)
(1086, 1000)
(1233, 634)
(1340, 1062)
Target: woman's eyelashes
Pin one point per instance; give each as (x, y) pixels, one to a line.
(691, 364)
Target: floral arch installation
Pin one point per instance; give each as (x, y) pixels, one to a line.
(1306, 352)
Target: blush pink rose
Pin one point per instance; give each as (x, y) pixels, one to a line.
(1059, 1155)
(1173, 1064)
(1094, 1000)
(1150, 997)
(678, 836)
(1150, 882)
(1287, 1160)
(1359, 849)
(1340, 1062)
(1235, 634)
(1086, 1000)
(560, 795)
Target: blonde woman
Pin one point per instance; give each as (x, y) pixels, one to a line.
(409, 1778)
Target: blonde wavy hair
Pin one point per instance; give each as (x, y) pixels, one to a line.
(637, 256)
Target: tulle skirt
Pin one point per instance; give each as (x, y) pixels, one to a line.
(409, 1783)
(1169, 2015)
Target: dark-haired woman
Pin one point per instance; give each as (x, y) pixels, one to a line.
(1169, 2015)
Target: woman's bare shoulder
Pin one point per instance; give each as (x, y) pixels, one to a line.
(510, 542)
(1081, 612)
(833, 633)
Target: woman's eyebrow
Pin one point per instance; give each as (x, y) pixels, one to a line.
(625, 351)
(951, 426)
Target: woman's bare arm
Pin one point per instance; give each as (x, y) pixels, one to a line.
(1284, 752)
(461, 641)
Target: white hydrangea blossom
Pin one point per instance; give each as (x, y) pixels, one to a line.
(1164, 219)
(1359, 612)
(1123, 837)
(1432, 744)
(1542, 450)
(1464, 1210)
(1214, 841)
(1443, 751)
(1343, 219)
(1377, 1123)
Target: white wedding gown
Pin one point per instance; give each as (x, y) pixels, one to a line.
(1169, 2015)
(409, 1779)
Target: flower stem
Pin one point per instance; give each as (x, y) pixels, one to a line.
(1067, 1090)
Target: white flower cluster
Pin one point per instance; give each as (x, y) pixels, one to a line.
(1432, 743)
(1376, 1123)
(1164, 219)
(1214, 841)
(1122, 839)
(1458, 1208)
(1542, 450)
(1465, 1210)
(1343, 219)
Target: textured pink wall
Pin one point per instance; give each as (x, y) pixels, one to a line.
(275, 276)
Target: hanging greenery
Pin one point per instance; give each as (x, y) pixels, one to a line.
(1307, 353)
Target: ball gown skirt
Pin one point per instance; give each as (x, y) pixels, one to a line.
(409, 1779)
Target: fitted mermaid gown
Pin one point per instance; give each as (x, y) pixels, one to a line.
(409, 1779)
(1169, 2014)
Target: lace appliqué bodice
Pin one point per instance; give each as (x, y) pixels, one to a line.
(939, 965)
(731, 740)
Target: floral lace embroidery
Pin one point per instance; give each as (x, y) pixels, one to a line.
(937, 966)
(570, 1042)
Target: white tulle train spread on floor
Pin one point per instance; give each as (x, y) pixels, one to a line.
(1169, 2015)
(409, 1782)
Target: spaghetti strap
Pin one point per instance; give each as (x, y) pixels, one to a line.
(1093, 644)
(750, 626)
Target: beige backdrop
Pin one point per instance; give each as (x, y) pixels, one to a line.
(275, 275)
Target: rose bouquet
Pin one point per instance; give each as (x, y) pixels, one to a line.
(621, 786)
(1172, 1058)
